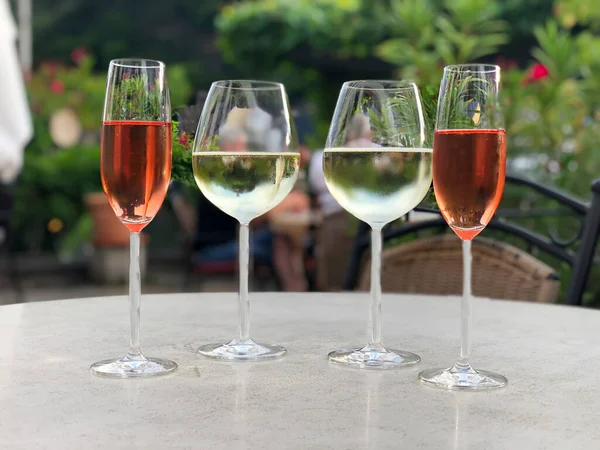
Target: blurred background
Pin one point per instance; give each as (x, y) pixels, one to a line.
(55, 216)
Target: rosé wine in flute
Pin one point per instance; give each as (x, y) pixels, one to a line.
(469, 170)
(136, 169)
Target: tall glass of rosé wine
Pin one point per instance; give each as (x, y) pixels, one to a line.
(136, 170)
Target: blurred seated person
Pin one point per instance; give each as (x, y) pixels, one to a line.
(335, 237)
(217, 233)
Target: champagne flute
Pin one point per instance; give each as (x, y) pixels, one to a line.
(377, 168)
(245, 161)
(136, 169)
(469, 167)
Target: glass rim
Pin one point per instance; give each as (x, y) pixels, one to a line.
(254, 85)
(138, 63)
(472, 67)
(386, 85)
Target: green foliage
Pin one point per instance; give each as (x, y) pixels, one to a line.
(429, 34)
(177, 31)
(304, 44)
(557, 51)
(266, 30)
(181, 169)
(180, 86)
(52, 187)
(377, 173)
(241, 174)
(582, 12)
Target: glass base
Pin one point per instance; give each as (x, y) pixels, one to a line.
(133, 367)
(242, 351)
(374, 358)
(465, 378)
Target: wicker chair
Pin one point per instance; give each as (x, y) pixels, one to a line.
(434, 266)
(333, 245)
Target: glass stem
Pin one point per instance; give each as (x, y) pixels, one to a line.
(244, 302)
(465, 326)
(375, 338)
(135, 288)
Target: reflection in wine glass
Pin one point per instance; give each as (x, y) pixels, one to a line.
(377, 168)
(240, 409)
(372, 407)
(461, 413)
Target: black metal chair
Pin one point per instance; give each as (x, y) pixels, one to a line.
(6, 208)
(577, 252)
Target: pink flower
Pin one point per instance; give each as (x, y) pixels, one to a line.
(537, 72)
(78, 55)
(183, 139)
(57, 86)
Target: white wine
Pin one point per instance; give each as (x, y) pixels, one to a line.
(245, 185)
(378, 185)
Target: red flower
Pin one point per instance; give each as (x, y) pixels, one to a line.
(78, 55)
(537, 72)
(183, 139)
(57, 86)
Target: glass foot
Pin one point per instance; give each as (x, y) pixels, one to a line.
(242, 351)
(463, 378)
(374, 358)
(133, 367)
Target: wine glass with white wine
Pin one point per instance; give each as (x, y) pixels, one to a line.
(245, 161)
(378, 169)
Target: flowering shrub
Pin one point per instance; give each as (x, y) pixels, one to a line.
(55, 86)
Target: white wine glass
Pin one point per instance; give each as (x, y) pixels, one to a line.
(245, 161)
(135, 165)
(378, 169)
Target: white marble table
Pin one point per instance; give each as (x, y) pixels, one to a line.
(49, 400)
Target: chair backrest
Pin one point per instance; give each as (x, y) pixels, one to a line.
(184, 211)
(334, 241)
(433, 266)
(577, 252)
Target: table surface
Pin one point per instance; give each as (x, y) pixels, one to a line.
(49, 400)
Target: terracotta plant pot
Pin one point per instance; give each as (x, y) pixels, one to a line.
(108, 229)
(110, 263)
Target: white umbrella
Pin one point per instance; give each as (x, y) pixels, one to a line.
(15, 118)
